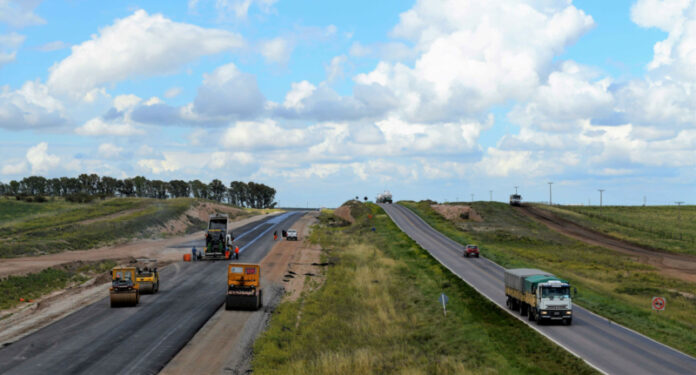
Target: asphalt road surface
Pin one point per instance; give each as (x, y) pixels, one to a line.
(139, 340)
(608, 347)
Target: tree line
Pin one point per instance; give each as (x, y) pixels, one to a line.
(86, 187)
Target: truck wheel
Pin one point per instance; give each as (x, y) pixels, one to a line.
(260, 298)
(477, 255)
(568, 321)
(523, 309)
(532, 315)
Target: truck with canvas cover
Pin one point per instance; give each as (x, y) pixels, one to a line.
(124, 287)
(217, 238)
(385, 197)
(539, 295)
(147, 276)
(243, 287)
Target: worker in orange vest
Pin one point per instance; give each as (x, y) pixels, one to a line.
(236, 252)
(275, 235)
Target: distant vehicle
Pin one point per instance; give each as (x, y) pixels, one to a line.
(124, 287)
(385, 197)
(515, 200)
(472, 250)
(292, 235)
(538, 294)
(147, 276)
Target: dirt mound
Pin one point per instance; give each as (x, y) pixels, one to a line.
(344, 213)
(456, 212)
(196, 217)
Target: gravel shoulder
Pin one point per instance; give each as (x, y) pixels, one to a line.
(224, 344)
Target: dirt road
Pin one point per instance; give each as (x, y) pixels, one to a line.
(676, 265)
(224, 344)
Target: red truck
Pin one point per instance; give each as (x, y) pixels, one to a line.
(471, 250)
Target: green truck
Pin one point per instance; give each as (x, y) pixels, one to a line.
(539, 295)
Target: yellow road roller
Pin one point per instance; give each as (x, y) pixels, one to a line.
(243, 287)
(147, 276)
(124, 287)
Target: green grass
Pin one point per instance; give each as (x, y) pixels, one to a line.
(41, 228)
(378, 313)
(609, 284)
(667, 228)
(35, 285)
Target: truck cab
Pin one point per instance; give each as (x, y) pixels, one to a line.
(217, 237)
(553, 302)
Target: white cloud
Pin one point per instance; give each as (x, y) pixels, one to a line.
(476, 54)
(663, 14)
(14, 169)
(298, 92)
(40, 160)
(20, 13)
(277, 50)
(98, 127)
(172, 92)
(8, 46)
(124, 102)
(246, 135)
(334, 70)
(140, 45)
(109, 151)
(240, 8)
(31, 106)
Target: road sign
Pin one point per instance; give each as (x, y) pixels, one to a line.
(443, 300)
(659, 303)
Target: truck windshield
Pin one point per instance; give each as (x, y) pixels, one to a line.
(551, 292)
(222, 225)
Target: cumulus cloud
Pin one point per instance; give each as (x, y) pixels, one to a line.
(99, 127)
(109, 151)
(20, 13)
(476, 54)
(334, 70)
(8, 47)
(192, 163)
(14, 169)
(31, 106)
(140, 45)
(277, 50)
(263, 135)
(40, 160)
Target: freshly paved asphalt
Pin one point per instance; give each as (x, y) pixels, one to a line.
(608, 347)
(98, 339)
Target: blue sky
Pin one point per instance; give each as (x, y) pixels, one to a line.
(435, 99)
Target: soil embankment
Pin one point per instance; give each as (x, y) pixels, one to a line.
(224, 343)
(675, 265)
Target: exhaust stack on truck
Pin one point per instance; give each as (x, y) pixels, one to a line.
(538, 294)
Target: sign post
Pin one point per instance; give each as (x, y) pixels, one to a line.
(443, 300)
(659, 303)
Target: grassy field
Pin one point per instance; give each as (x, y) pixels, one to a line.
(378, 313)
(54, 226)
(35, 285)
(668, 228)
(609, 284)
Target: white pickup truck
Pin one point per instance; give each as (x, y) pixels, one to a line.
(292, 235)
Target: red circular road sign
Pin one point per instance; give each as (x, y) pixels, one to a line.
(658, 303)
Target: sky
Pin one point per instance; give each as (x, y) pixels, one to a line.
(431, 99)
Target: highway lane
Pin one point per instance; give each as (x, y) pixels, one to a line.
(139, 340)
(603, 344)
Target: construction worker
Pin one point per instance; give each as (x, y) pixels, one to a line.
(193, 254)
(236, 252)
(275, 235)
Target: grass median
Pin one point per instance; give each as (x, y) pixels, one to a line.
(610, 284)
(378, 313)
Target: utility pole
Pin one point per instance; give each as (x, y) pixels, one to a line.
(516, 189)
(600, 200)
(472, 197)
(679, 203)
(490, 199)
(550, 201)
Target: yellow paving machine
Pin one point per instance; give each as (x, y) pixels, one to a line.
(147, 276)
(124, 287)
(243, 287)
